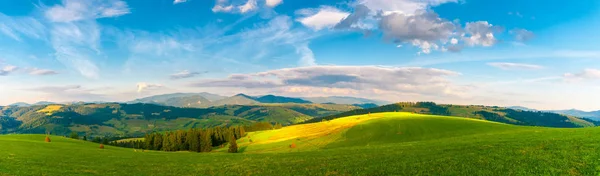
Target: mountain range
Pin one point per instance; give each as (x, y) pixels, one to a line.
(594, 115)
(204, 100)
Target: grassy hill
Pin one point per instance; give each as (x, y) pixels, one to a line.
(376, 144)
(490, 113)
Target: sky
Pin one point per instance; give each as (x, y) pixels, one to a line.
(538, 54)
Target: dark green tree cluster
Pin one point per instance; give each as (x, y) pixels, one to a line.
(74, 135)
(195, 140)
(434, 109)
(260, 126)
(137, 144)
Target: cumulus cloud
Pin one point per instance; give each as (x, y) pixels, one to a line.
(350, 21)
(401, 6)
(512, 66)
(346, 78)
(142, 86)
(249, 6)
(273, 3)
(424, 29)
(522, 35)
(184, 74)
(179, 1)
(481, 33)
(587, 74)
(41, 72)
(321, 18)
(76, 10)
(6, 70)
(222, 8)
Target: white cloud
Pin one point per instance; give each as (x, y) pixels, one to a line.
(6, 70)
(587, 74)
(427, 81)
(77, 10)
(249, 6)
(307, 56)
(18, 27)
(522, 35)
(480, 33)
(179, 1)
(183, 74)
(142, 86)
(221, 8)
(323, 17)
(401, 6)
(512, 66)
(42, 72)
(75, 34)
(424, 29)
(273, 3)
(454, 41)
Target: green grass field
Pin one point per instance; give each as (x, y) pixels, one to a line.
(376, 144)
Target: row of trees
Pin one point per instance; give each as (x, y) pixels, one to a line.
(195, 140)
(261, 126)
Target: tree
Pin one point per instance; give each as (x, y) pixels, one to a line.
(206, 141)
(233, 148)
(74, 135)
(85, 138)
(278, 126)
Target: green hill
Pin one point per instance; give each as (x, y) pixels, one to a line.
(111, 119)
(376, 144)
(491, 113)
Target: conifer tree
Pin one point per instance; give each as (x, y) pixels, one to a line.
(206, 142)
(233, 148)
(74, 135)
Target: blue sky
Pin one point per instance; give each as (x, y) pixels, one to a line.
(539, 54)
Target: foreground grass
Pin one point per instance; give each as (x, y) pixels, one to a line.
(416, 146)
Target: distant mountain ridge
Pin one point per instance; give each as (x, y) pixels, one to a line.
(345, 100)
(594, 115)
(205, 100)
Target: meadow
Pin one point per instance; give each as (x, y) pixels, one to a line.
(374, 144)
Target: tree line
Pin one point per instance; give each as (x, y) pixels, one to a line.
(194, 140)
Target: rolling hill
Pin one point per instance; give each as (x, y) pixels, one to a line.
(113, 119)
(372, 144)
(491, 113)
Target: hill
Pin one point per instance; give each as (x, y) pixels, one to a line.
(491, 113)
(593, 115)
(376, 144)
(344, 100)
(279, 99)
(113, 119)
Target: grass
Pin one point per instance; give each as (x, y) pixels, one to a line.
(382, 144)
(50, 109)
